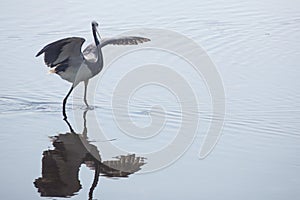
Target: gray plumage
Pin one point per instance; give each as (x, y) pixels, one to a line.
(65, 58)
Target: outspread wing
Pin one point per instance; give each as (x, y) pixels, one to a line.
(58, 54)
(123, 40)
(122, 167)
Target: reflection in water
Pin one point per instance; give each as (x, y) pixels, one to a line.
(60, 166)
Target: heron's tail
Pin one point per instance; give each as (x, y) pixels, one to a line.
(52, 71)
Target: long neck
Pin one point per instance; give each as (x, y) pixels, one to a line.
(97, 66)
(95, 36)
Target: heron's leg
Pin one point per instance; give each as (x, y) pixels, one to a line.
(85, 92)
(65, 101)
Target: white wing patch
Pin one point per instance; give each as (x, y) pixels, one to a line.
(90, 53)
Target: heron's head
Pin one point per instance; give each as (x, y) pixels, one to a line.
(95, 31)
(94, 24)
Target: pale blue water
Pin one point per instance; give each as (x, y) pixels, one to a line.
(255, 46)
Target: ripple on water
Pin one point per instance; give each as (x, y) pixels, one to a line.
(16, 105)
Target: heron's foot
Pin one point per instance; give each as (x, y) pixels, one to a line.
(88, 107)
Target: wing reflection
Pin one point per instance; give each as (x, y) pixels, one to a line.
(60, 166)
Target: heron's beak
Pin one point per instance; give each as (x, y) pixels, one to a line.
(98, 33)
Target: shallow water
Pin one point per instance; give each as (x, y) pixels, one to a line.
(255, 47)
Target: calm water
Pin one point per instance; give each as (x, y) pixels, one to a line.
(256, 49)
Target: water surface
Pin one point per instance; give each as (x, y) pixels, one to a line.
(255, 46)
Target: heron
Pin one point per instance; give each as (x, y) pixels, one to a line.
(65, 58)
